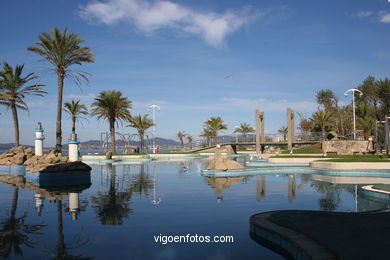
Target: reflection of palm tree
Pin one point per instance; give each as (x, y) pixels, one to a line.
(331, 195)
(14, 232)
(61, 249)
(114, 206)
(142, 182)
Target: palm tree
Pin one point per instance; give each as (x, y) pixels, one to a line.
(215, 124)
(208, 134)
(365, 118)
(13, 91)
(283, 130)
(190, 139)
(75, 109)
(322, 119)
(141, 124)
(113, 107)
(180, 135)
(244, 129)
(62, 50)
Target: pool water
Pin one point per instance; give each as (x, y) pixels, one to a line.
(125, 206)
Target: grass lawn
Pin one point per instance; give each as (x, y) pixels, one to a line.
(315, 148)
(142, 154)
(345, 158)
(385, 187)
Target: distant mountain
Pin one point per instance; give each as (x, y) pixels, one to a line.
(159, 141)
(10, 145)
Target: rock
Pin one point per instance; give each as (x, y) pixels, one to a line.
(7, 154)
(32, 161)
(19, 159)
(223, 164)
(108, 155)
(17, 149)
(28, 150)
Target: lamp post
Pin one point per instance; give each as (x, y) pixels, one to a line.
(353, 90)
(153, 108)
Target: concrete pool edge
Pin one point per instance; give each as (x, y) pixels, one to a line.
(285, 241)
(350, 165)
(345, 235)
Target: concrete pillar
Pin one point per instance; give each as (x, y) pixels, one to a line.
(290, 128)
(39, 137)
(387, 134)
(259, 130)
(260, 187)
(74, 206)
(73, 148)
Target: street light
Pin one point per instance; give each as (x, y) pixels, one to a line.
(153, 108)
(353, 90)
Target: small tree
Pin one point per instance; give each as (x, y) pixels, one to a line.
(323, 120)
(75, 110)
(141, 124)
(113, 107)
(283, 130)
(190, 139)
(244, 129)
(180, 135)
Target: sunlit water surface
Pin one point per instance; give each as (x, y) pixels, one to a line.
(127, 205)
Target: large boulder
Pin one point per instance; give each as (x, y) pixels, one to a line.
(223, 164)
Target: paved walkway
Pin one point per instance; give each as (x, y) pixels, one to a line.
(328, 235)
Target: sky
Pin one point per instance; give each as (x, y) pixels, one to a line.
(198, 59)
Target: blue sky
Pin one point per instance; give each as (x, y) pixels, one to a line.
(179, 55)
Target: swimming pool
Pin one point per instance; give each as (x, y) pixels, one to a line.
(125, 206)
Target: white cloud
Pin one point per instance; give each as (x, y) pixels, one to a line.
(363, 14)
(384, 17)
(148, 16)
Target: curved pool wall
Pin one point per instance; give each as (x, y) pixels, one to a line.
(281, 170)
(265, 164)
(12, 169)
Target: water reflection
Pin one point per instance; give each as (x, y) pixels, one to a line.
(220, 184)
(114, 205)
(15, 232)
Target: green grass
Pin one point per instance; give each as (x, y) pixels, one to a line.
(315, 148)
(359, 160)
(385, 187)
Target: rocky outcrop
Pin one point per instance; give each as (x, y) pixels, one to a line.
(223, 164)
(49, 162)
(347, 147)
(16, 156)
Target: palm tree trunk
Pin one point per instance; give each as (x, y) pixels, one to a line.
(141, 136)
(14, 201)
(112, 132)
(16, 122)
(60, 83)
(60, 234)
(73, 124)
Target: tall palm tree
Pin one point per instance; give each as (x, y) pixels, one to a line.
(180, 135)
(244, 129)
(215, 124)
(13, 91)
(283, 130)
(62, 50)
(75, 110)
(322, 119)
(190, 139)
(141, 124)
(113, 107)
